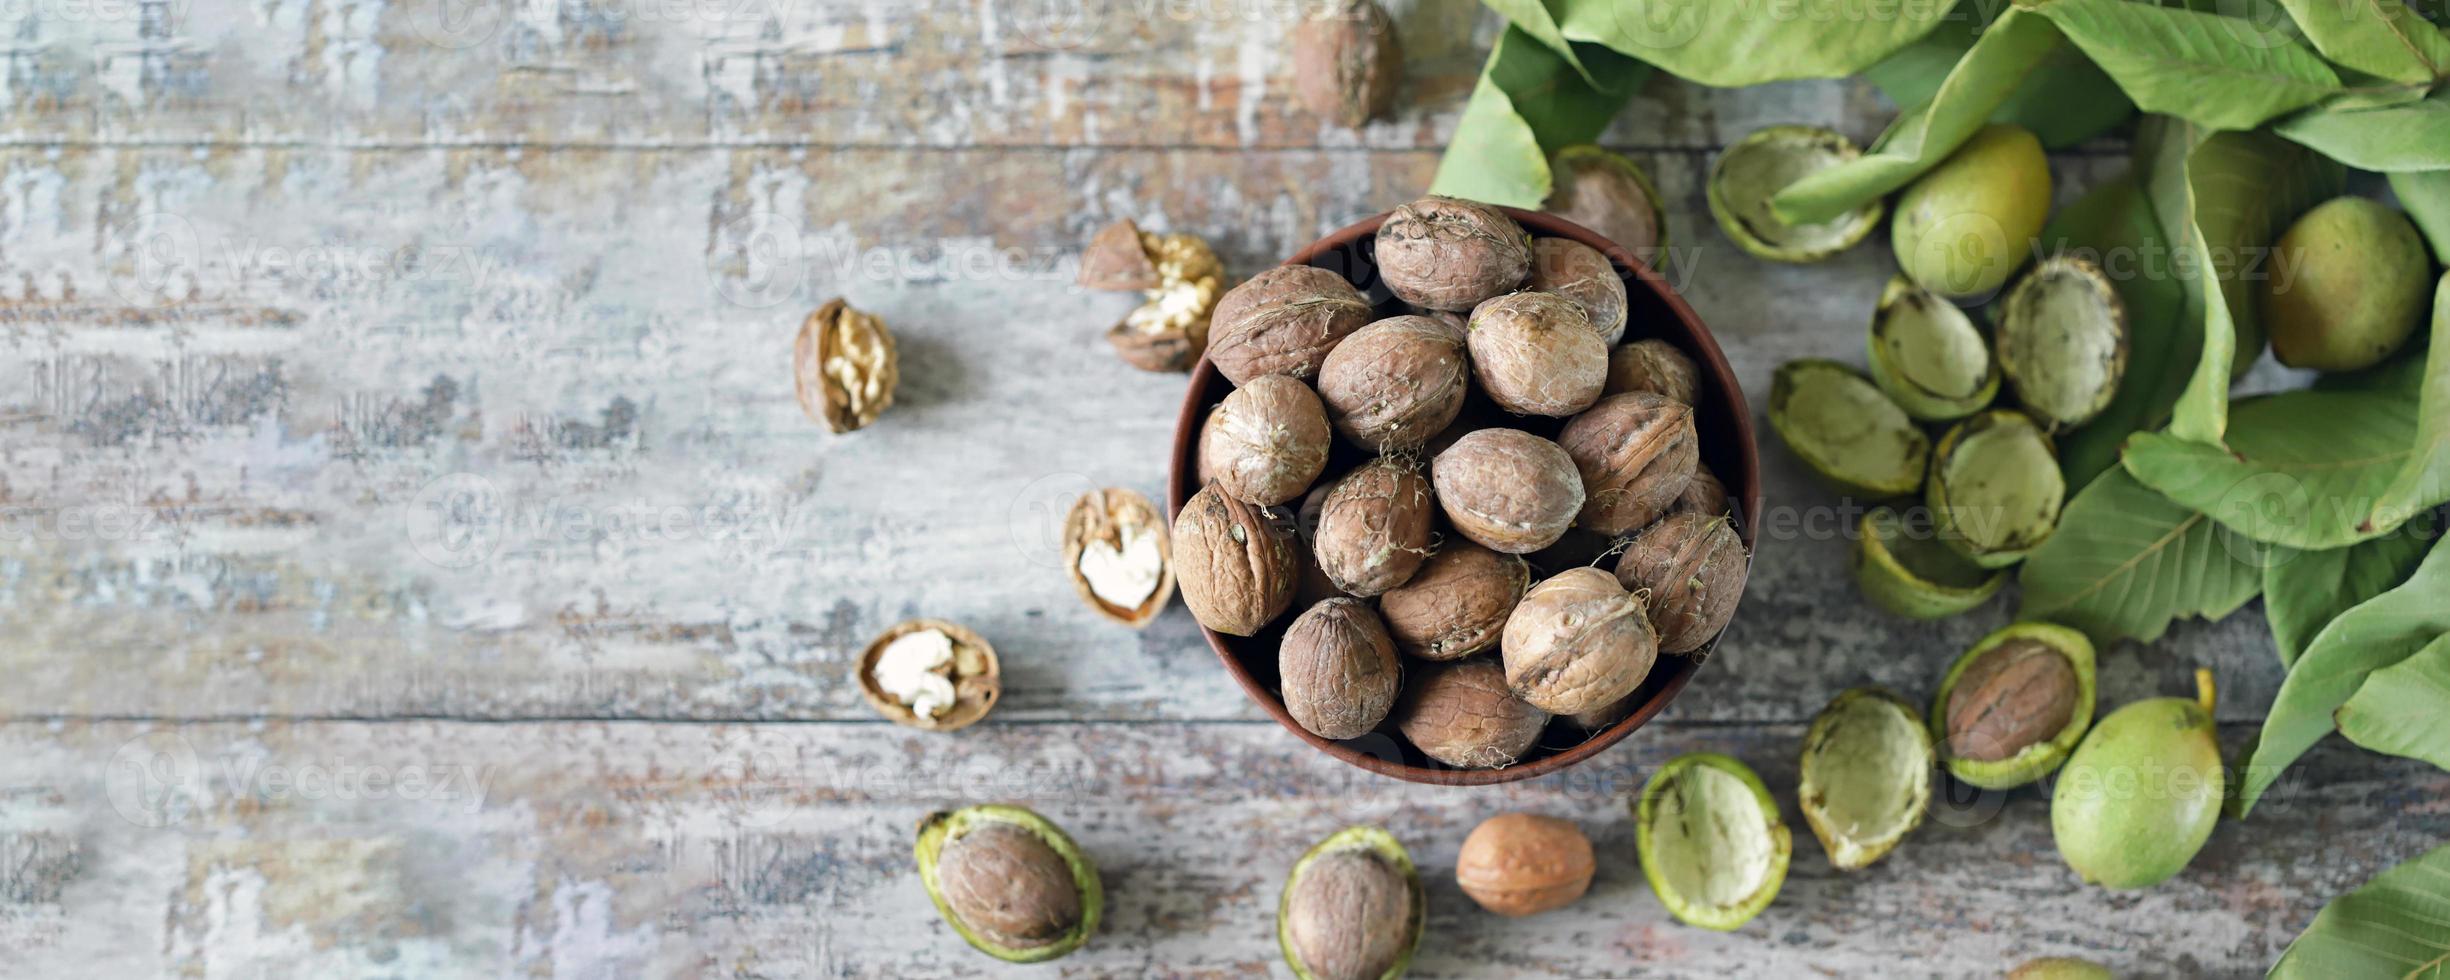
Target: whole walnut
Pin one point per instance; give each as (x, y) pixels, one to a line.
(1457, 604)
(1445, 253)
(1601, 190)
(1347, 61)
(1578, 642)
(1009, 886)
(1373, 529)
(1578, 272)
(1234, 566)
(1536, 354)
(1395, 383)
(1655, 366)
(2019, 693)
(1517, 864)
(1349, 914)
(1267, 441)
(1690, 569)
(1337, 669)
(1283, 321)
(1507, 489)
(1461, 714)
(1705, 494)
(1635, 452)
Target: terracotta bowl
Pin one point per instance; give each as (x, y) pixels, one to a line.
(1725, 425)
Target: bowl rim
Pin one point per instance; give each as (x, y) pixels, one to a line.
(1745, 483)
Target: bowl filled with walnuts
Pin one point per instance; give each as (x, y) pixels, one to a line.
(1461, 494)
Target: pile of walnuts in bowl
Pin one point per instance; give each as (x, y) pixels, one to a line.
(1481, 516)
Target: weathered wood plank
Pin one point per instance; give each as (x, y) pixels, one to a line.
(343, 849)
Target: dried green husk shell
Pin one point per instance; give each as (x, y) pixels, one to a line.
(1996, 488)
(1711, 841)
(2060, 968)
(1689, 569)
(2015, 697)
(1842, 427)
(1865, 775)
(2140, 796)
(2063, 341)
(1018, 874)
(1761, 164)
(1917, 575)
(1928, 356)
(1447, 253)
(1362, 919)
(1601, 190)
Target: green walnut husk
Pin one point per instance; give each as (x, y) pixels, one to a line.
(2061, 968)
(1758, 167)
(1865, 775)
(941, 829)
(2039, 758)
(1840, 424)
(2063, 341)
(1969, 223)
(1710, 840)
(2348, 286)
(1377, 845)
(1996, 488)
(2140, 796)
(1916, 575)
(1928, 356)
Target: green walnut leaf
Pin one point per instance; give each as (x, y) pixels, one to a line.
(2399, 712)
(1532, 18)
(1529, 103)
(2126, 561)
(2113, 225)
(2378, 633)
(2064, 101)
(2410, 136)
(2392, 927)
(1928, 133)
(2305, 469)
(2381, 38)
(2424, 482)
(1732, 44)
(2426, 196)
(2304, 590)
(2217, 71)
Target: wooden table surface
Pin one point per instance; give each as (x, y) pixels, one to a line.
(415, 562)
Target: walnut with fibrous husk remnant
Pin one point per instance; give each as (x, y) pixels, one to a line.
(1347, 61)
(1578, 642)
(844, 366)
(1234, 565)
(1445, 253)
(1267, 441)
(1654, 366)
(1635, 453)
(1374, 527)
(1690, 568)
(1114, 545)
(1536, 354)
(1337, 669)
(1462, 714)
(1284, 320)
(1507, 489)
(1395, 383)
(1578, 272)
(1457, 603)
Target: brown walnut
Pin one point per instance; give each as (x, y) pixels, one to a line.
(1601, 190)
(1457, 604)
(1234, 566)
(844, 367)
(1348, 916)
(1445, 253)
(1283, 321)
(1655, 366)
(1507, 489)
(1706, 494)
(1267, 441)
(1374, 527)
(1168, 332)
(1462, 714)
(1347, 61)
(1536, 354)
(1116, 259)
(1518, 864)
(2017, 694)
(1395, 383)
(1008, 885)
(1635, 453)
(1578, 272)
(1578, 642)
(1337, 669)
(1690, 569)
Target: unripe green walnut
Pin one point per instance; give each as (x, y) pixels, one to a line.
(2347, 286)
(1968, 224)
(2140, 796)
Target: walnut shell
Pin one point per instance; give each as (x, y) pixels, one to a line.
(1115, 259)
(1507, 489)
(976, 673)
(1267, 441)
(1347, 61)
(1517, 864)
(1235, 566)
(1374, 527)
(1536, 354)
(1462, 714)
(1578, 642)
(1106, 522)
(1337, 669)
(1170, 331)
(1568, 268)
(844, 366)
(1655, 366)
(1705, 494)
(1395, 383)
(1445, 253)
(1457, 604)
(2019, 693)
(1009, 885)
(1601, 190)
(1636, 453)
(1352, 909)
(1283, 321)
(1690, 569)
